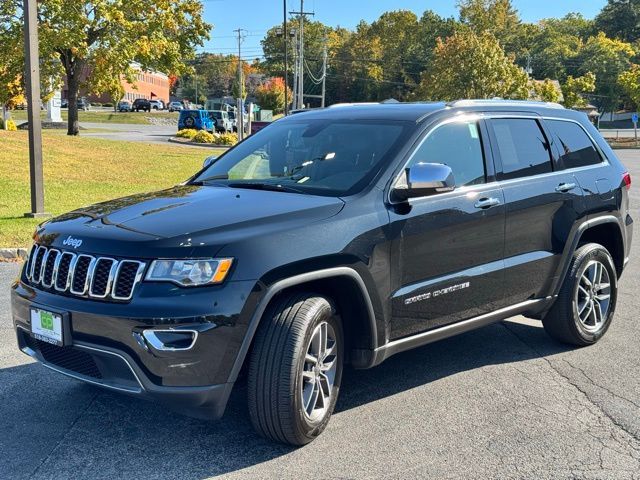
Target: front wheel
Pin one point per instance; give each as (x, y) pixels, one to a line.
(295, 369)
(584, 309)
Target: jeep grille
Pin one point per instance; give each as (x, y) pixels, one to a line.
(83, 275)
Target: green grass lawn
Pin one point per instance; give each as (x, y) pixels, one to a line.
(101, 116)
(80, 171)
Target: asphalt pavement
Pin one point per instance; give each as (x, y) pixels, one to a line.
(130, 132)
(501, 402)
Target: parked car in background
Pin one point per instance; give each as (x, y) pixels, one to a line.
(157, 104)
(175, 107)
(234, 120)
(83, 104)
(196, 119)
(141, 104)
(124, 106)
(223, 123)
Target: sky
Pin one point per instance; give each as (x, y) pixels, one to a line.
(257, 16)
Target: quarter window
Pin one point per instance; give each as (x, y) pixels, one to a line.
(457, 145)
(523, 147)
(573, 145)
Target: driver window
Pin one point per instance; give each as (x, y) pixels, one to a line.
(457, 145)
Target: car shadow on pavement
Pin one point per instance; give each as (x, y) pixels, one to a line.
(56, 427)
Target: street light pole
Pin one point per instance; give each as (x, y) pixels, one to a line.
(32, 80)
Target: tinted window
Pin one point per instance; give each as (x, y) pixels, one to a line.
(574, 147)
(319, 156)
(522, 146)
(457, 145)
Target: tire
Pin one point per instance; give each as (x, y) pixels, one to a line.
(278, 390)
(582, 314)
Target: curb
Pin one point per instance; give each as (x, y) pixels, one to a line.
(13, 254)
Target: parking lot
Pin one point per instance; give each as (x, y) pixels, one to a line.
(500, 402)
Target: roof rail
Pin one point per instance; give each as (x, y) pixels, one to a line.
(498, 102)
(354, 104)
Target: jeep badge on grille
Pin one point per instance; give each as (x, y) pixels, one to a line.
(72, 242)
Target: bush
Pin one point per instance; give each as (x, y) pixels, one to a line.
(204, 137)
(226, 139)
(107, 105)
(187, 133)
(95, 104)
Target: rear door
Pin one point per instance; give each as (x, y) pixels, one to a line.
(542, 203)
(576, 151)
(448, 248)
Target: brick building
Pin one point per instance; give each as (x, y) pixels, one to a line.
(150, 85)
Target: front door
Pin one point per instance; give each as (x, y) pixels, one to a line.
(448, 253)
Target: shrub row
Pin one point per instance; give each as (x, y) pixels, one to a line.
(202, 136)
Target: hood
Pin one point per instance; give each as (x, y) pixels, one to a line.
(199, 218)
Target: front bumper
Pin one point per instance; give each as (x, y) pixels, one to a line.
(106, 347)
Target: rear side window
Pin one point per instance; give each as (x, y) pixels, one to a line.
(574, 147)
(522, 146)
(457, 145)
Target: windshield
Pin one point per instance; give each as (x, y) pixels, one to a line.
(319, 156)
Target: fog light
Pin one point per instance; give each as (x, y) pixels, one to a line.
(171, 340)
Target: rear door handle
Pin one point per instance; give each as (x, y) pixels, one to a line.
(565, 187)
(487, 203)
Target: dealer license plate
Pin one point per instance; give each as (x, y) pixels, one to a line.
(46, 326)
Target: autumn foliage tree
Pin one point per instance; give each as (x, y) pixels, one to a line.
(630, 82)
(102, 38)
(574, 89)
(482, 70)
(270, 95)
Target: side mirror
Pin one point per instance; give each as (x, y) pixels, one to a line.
(209, 160)
(423, 180)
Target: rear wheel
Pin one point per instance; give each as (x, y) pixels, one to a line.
(295, 369)
(585, 306)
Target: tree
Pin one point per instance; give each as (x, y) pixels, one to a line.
(496, 16)
(630, 83)
(545, 90)
(270, 95)
(482, 70)
(606, 59)
(104, 37)
(573, 89)
(620, 19)
(557, 44)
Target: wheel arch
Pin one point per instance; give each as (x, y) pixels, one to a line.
(606, 231)
(342, 285)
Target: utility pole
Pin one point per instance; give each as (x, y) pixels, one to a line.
(286, 58)
(32, 71)
(240, 105)
(195, 78)
(299, 81)
(324, 72)
(301, 58)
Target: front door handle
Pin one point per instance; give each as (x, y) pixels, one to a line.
(487, 203)
(565, 187)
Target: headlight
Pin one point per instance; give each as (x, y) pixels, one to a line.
(190, 273)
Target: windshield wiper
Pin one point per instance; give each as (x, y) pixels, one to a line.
(273, 187)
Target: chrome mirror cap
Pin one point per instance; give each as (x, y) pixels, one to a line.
(424, 179)
(209, 160)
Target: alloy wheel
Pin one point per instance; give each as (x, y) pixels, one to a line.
(593, 296)
(319, 372)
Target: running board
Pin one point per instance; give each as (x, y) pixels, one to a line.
(396, 346)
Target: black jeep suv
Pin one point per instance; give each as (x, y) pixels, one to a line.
(331, 237)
